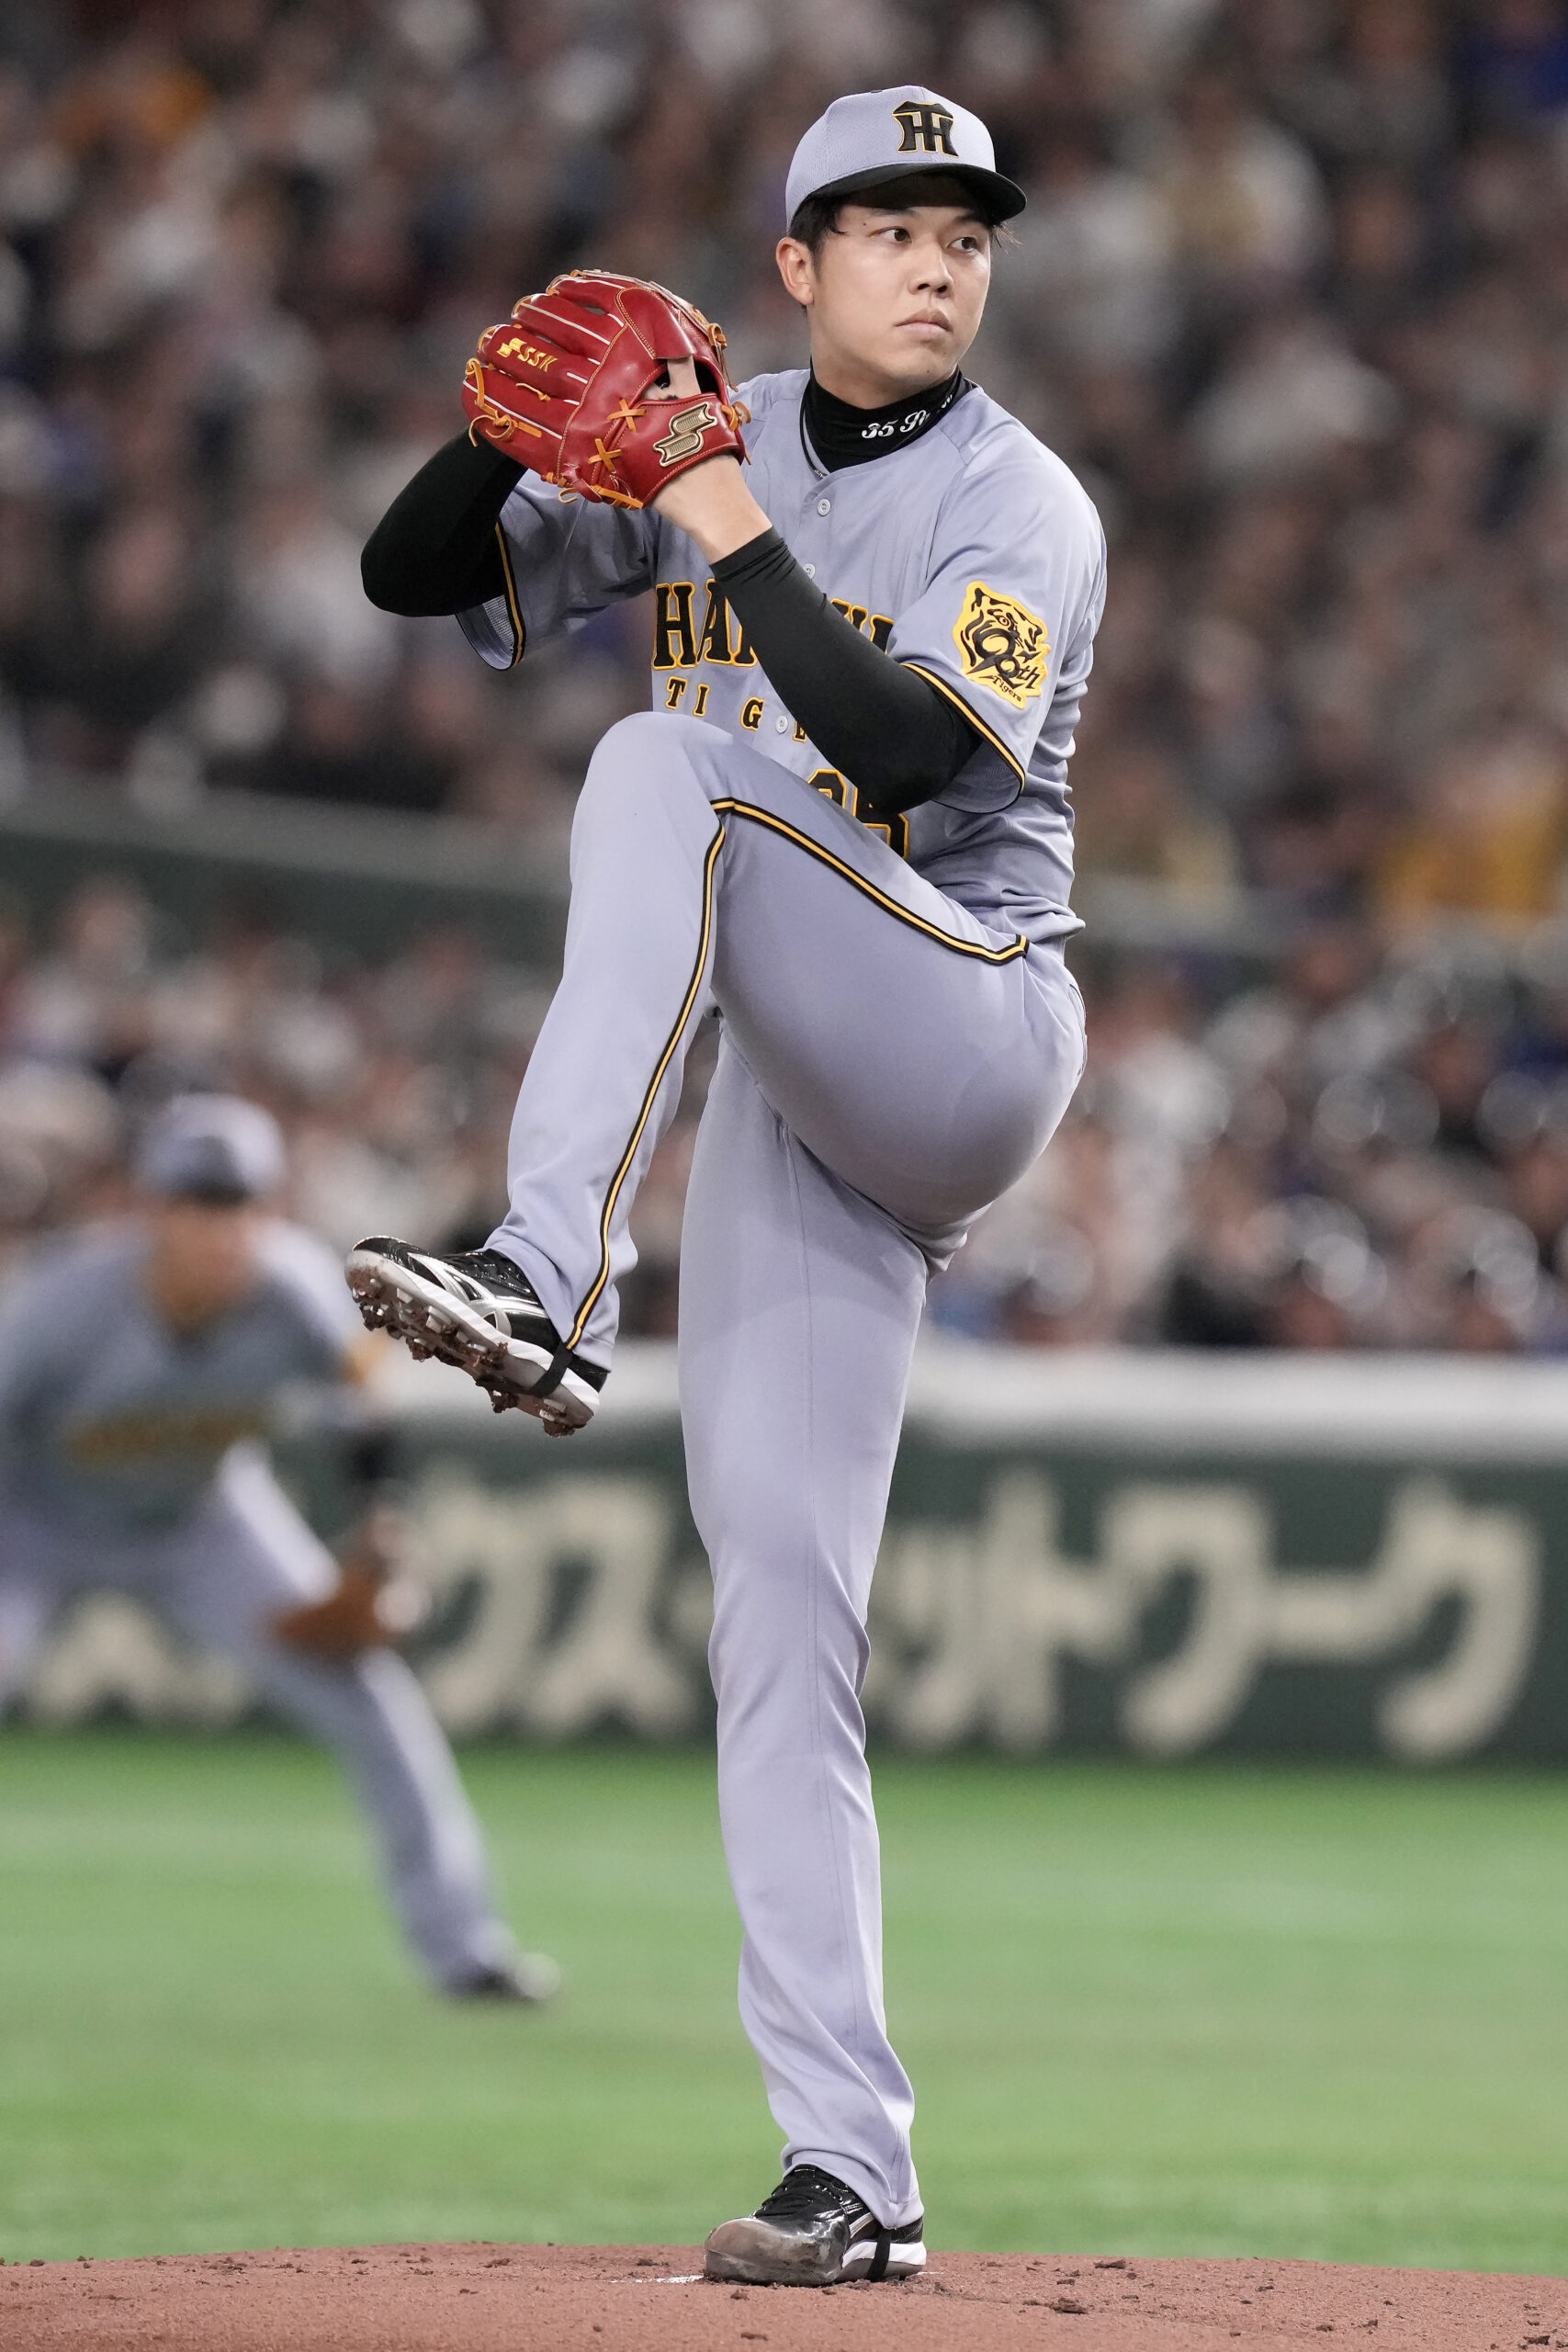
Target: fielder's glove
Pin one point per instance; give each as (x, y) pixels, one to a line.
(563, 384)
(376, 1602)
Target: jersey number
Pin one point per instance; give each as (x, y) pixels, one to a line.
(894, 831)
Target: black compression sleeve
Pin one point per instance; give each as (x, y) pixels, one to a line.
(434, 550)
(883, 727)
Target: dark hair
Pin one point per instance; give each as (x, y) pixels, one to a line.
(818, 217)
(815, 220)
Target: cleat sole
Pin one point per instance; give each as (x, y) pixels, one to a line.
(389, 1300)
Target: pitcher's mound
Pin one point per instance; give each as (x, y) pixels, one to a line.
(625, 2298)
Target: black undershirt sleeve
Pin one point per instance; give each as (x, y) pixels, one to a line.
(883, 727)
(435, 550)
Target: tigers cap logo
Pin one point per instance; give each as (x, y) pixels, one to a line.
(1002, 644)
(927, 127)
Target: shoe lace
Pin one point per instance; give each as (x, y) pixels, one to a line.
(806, 2189)
(498, 1274)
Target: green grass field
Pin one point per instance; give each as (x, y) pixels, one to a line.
(1197, 2011)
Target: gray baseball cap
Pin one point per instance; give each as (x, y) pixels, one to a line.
(213, 1148)
(875, 136)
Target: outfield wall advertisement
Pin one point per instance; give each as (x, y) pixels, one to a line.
(1161, 1555)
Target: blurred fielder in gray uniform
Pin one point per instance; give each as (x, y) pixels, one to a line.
(139, 1371)
(845, 825)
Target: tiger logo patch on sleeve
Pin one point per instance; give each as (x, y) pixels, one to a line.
(1002, 644)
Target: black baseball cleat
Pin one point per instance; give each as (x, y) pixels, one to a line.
(481, 1312)
(814, 2232)
(529, 1977)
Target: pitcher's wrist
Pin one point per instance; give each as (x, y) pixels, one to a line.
(712, 503)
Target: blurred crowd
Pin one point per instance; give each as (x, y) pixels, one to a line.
(394, 1081)
(1291, 296)
(1351, 1149)
(1342, 1150)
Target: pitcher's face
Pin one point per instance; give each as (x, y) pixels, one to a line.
(895, 294)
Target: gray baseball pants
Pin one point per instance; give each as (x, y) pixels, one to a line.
(888, 1067)
(218, 1578)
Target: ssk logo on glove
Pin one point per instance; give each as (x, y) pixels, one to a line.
(1002, 644)
(684, 437)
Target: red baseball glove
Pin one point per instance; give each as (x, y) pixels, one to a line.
(563, 385)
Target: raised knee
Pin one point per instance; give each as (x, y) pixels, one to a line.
(638, 730)
(657, 743)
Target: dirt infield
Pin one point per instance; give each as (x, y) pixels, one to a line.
(601, 2299)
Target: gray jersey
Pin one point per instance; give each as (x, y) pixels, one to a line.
(972, 555)
(109, 1418)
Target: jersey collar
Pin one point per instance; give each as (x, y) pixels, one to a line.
(833, 434)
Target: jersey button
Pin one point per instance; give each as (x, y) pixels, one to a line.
(824, 506)
(781, 727)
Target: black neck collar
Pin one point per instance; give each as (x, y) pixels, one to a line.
(842, 435)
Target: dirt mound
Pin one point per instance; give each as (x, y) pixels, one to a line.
(601, 2299)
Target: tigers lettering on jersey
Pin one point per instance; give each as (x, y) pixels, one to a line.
(674, 646)
(679, 644)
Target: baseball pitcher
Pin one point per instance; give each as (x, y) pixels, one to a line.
(845, 826)
(138, 1369)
